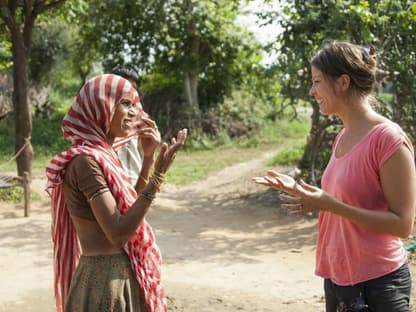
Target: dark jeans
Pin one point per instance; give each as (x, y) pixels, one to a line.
(388, 293)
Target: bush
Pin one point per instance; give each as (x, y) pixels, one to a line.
(15, 195)
(289, 157)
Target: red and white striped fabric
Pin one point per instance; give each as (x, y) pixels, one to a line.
(85, 125)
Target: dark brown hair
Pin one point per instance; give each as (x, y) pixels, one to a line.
(358, 62)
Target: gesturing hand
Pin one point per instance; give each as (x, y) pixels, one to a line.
(278, 181)
(149, 136)
(167, 152)
(304, 197)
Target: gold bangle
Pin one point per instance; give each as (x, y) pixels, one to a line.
(157, 183)
(144, 179)
(161, 176)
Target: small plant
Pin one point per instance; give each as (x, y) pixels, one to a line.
(288, 157)
(15, 195)
(11, 195)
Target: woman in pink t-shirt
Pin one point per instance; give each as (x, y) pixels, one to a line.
(367, 201)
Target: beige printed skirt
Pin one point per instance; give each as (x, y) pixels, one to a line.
(105, 283)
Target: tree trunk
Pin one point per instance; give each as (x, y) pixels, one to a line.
(19, 17)
(192, 69)
(306, 162)
(314, 160)
(22, 111)
(191, 90)
(191, 95)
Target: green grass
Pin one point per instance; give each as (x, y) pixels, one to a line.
(190, 165)
(193, 166)
(46, 140)
(15, 195)
(288, 157)
(281, 135)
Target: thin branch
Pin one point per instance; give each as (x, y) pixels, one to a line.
(7, 16)
(13, 6)
(41, 7)
(27, 10)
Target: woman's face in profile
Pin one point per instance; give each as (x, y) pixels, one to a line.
(323, 91)
(123, 121)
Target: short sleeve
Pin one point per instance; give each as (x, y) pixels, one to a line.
(87, 176)
(389, 139)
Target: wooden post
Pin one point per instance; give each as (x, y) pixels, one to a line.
(26, 191)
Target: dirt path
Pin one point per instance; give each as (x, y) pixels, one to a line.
(226, 247)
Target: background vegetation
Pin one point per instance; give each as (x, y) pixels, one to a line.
(200, 68)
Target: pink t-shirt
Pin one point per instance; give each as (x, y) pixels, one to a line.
(348, 253)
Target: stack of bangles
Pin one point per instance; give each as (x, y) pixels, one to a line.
(157, 180)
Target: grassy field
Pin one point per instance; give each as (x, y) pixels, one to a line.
(190, 165)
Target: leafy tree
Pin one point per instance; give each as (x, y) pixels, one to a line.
(195, 43)
(18, 18)
(388, 24)
(49, 45)
(5, 49)
(395, 30)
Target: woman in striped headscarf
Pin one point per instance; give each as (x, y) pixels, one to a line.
(105, 254)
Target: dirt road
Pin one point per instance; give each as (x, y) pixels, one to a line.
(226, 247)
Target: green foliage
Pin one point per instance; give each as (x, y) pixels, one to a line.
(389, 25)
(49, 47)
(191, 165)
(47, 136)
(176, 38)
(195, 162)
(395, 30)
(7, 135)
(288, 157)
(201, 141)
(15, 195)
(306, 26)
(5, 52)
(46, 139)
(244, 107)
(239, 118)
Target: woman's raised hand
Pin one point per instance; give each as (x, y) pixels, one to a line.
(168, 152)
(149, 136)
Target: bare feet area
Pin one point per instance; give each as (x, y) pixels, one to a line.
(226, 246)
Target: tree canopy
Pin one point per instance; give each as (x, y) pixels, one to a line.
(389, 25)
(197, 43)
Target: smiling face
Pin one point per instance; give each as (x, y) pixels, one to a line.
(324, 90)
(123, 119)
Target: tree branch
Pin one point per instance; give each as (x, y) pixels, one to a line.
(6, 15)
(27, 11)
(13, 6)
(41, 7)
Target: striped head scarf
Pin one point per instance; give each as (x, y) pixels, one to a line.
(86, 125)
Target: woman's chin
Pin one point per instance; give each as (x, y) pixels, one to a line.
(123, 134)
(323, 112)
(128, 131)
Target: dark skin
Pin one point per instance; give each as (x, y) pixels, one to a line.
(111, 230)
(149, 139)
